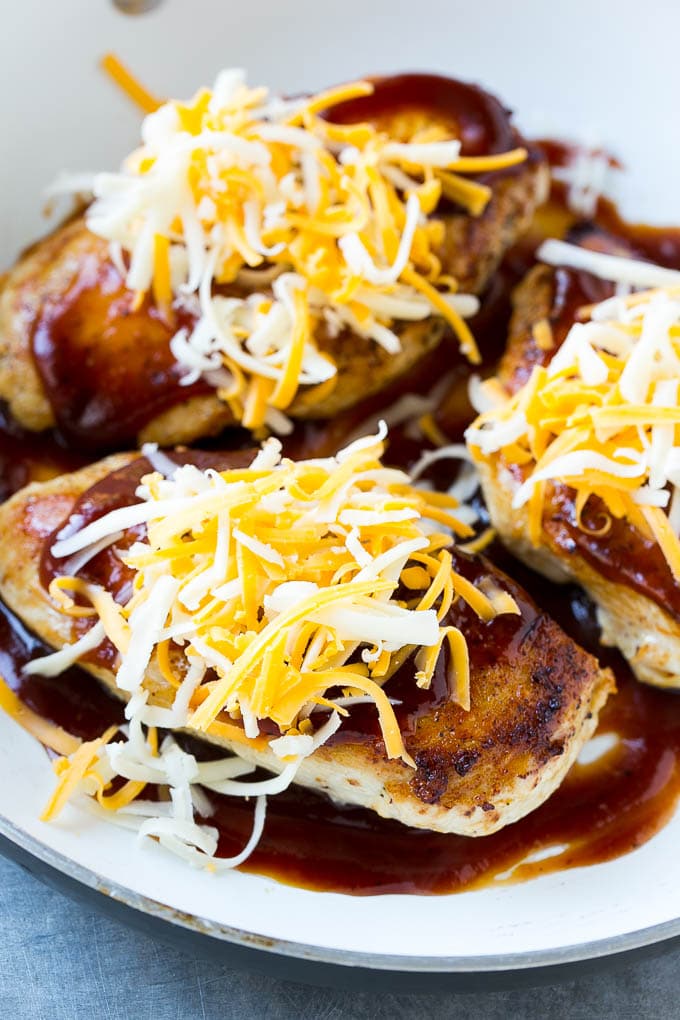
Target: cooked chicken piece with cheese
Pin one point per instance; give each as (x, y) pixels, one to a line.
(86, 350)
(621, 555)
(535, 695)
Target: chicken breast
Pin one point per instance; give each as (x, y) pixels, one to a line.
(623, 572)
(535, 694)
(76, 352)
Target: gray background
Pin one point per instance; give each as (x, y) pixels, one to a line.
(62, 961)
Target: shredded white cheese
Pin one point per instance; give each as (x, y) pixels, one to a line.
(271, 223)
(603, 417)
(617, 268)
(283, 579)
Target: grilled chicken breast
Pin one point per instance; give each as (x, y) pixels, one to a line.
(535, 695)
(623, 572)
(77, 352)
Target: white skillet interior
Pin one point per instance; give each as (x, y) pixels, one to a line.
(572, 908)
(604, 73)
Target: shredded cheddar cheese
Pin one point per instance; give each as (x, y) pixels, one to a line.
(604, 417)
(72, 771)
(264, 594)
(48, 733)
(129, 84)
(275, 575)
(273, 225)
(587, 177)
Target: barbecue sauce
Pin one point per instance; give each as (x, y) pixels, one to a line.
(471, 114)
(104, 360)
(602, 810)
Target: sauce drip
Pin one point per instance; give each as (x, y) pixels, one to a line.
(622, 555)
(105, 364)
(73, 700)
(658, 244)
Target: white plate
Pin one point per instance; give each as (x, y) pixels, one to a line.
(592, 73)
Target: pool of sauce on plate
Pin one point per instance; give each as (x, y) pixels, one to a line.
(602, 810)
(31, 456)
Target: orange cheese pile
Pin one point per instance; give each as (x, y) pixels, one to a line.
(279, 594)
(287, 581)
(602, 418)
(272, 224)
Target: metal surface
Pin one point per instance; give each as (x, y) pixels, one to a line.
(136, 6)
(316, 965)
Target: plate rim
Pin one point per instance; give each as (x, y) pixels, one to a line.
(218, 932)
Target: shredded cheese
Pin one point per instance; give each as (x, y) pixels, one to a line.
(587, 178)
(129, 84)
(49, 734)
(79, 766)
(617, 268)
(264, 593)
(603, 417)
(235, 184)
